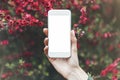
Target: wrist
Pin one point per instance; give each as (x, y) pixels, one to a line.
(77, 74)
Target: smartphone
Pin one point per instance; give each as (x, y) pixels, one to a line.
(59, 28)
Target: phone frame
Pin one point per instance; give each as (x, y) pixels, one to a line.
(59, 54)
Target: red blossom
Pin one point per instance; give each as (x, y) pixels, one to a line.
(111, 68)
(7, 17)
(41, 23)
(24, 23)
(75, 25)
(107, 35)
(115, 71)
(6, 75)
(103, 73)
(35, 5)
(4, 12)
(87, 62)
(10, 31)
(3, 76)
(19, 10)
(83, 17)
(11, 22)
(4, 42)
(95, 7)
(27, 65)
(114, 78)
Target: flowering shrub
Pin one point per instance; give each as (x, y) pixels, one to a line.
(21, 38)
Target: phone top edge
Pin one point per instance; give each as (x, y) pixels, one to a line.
(59, 12)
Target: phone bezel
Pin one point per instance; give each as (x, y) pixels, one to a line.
(59, 54)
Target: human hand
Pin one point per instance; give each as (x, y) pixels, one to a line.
(67, 67)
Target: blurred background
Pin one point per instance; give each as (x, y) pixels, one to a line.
(21, 38)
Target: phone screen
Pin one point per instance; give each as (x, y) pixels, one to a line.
(59, 26)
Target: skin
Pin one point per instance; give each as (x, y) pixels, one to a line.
(68, 67)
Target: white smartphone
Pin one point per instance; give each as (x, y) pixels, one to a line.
(59, 28)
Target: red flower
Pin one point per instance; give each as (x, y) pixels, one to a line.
(114, 78)
(3, 76)
(115, 71)
(19, 10)
(10, 31)
(83, 17)
(111, 68)
(23, 23)
(40, 23)
(107, 35)
(35, 5)
(30, 1)
(27, 65)
(95, 7)
(103, 73)
(4, 42)
(87, 62)
(75, 25)
(6, 75)
(7, 17)
(10, 23)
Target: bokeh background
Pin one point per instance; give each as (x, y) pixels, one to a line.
(21, 38)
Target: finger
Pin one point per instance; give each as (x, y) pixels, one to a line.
(46, 53)
(52, 59)
(74, 41)
(46, 41)
(45, 30)
(46, 50)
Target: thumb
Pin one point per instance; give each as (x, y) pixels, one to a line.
(74, 41)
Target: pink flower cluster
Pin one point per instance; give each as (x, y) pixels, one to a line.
(26, 13)
(4, 42)
(112, 68)
(29, 13)
(14, 24)
(83, 17)
(6, 75)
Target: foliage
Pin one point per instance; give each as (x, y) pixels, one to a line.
(21, 38)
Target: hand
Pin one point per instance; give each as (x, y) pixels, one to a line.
(69, 67)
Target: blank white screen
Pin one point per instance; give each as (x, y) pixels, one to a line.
(59, 33)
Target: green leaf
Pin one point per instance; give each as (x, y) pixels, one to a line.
(10, 65)
(40, 67)
(21, 61)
